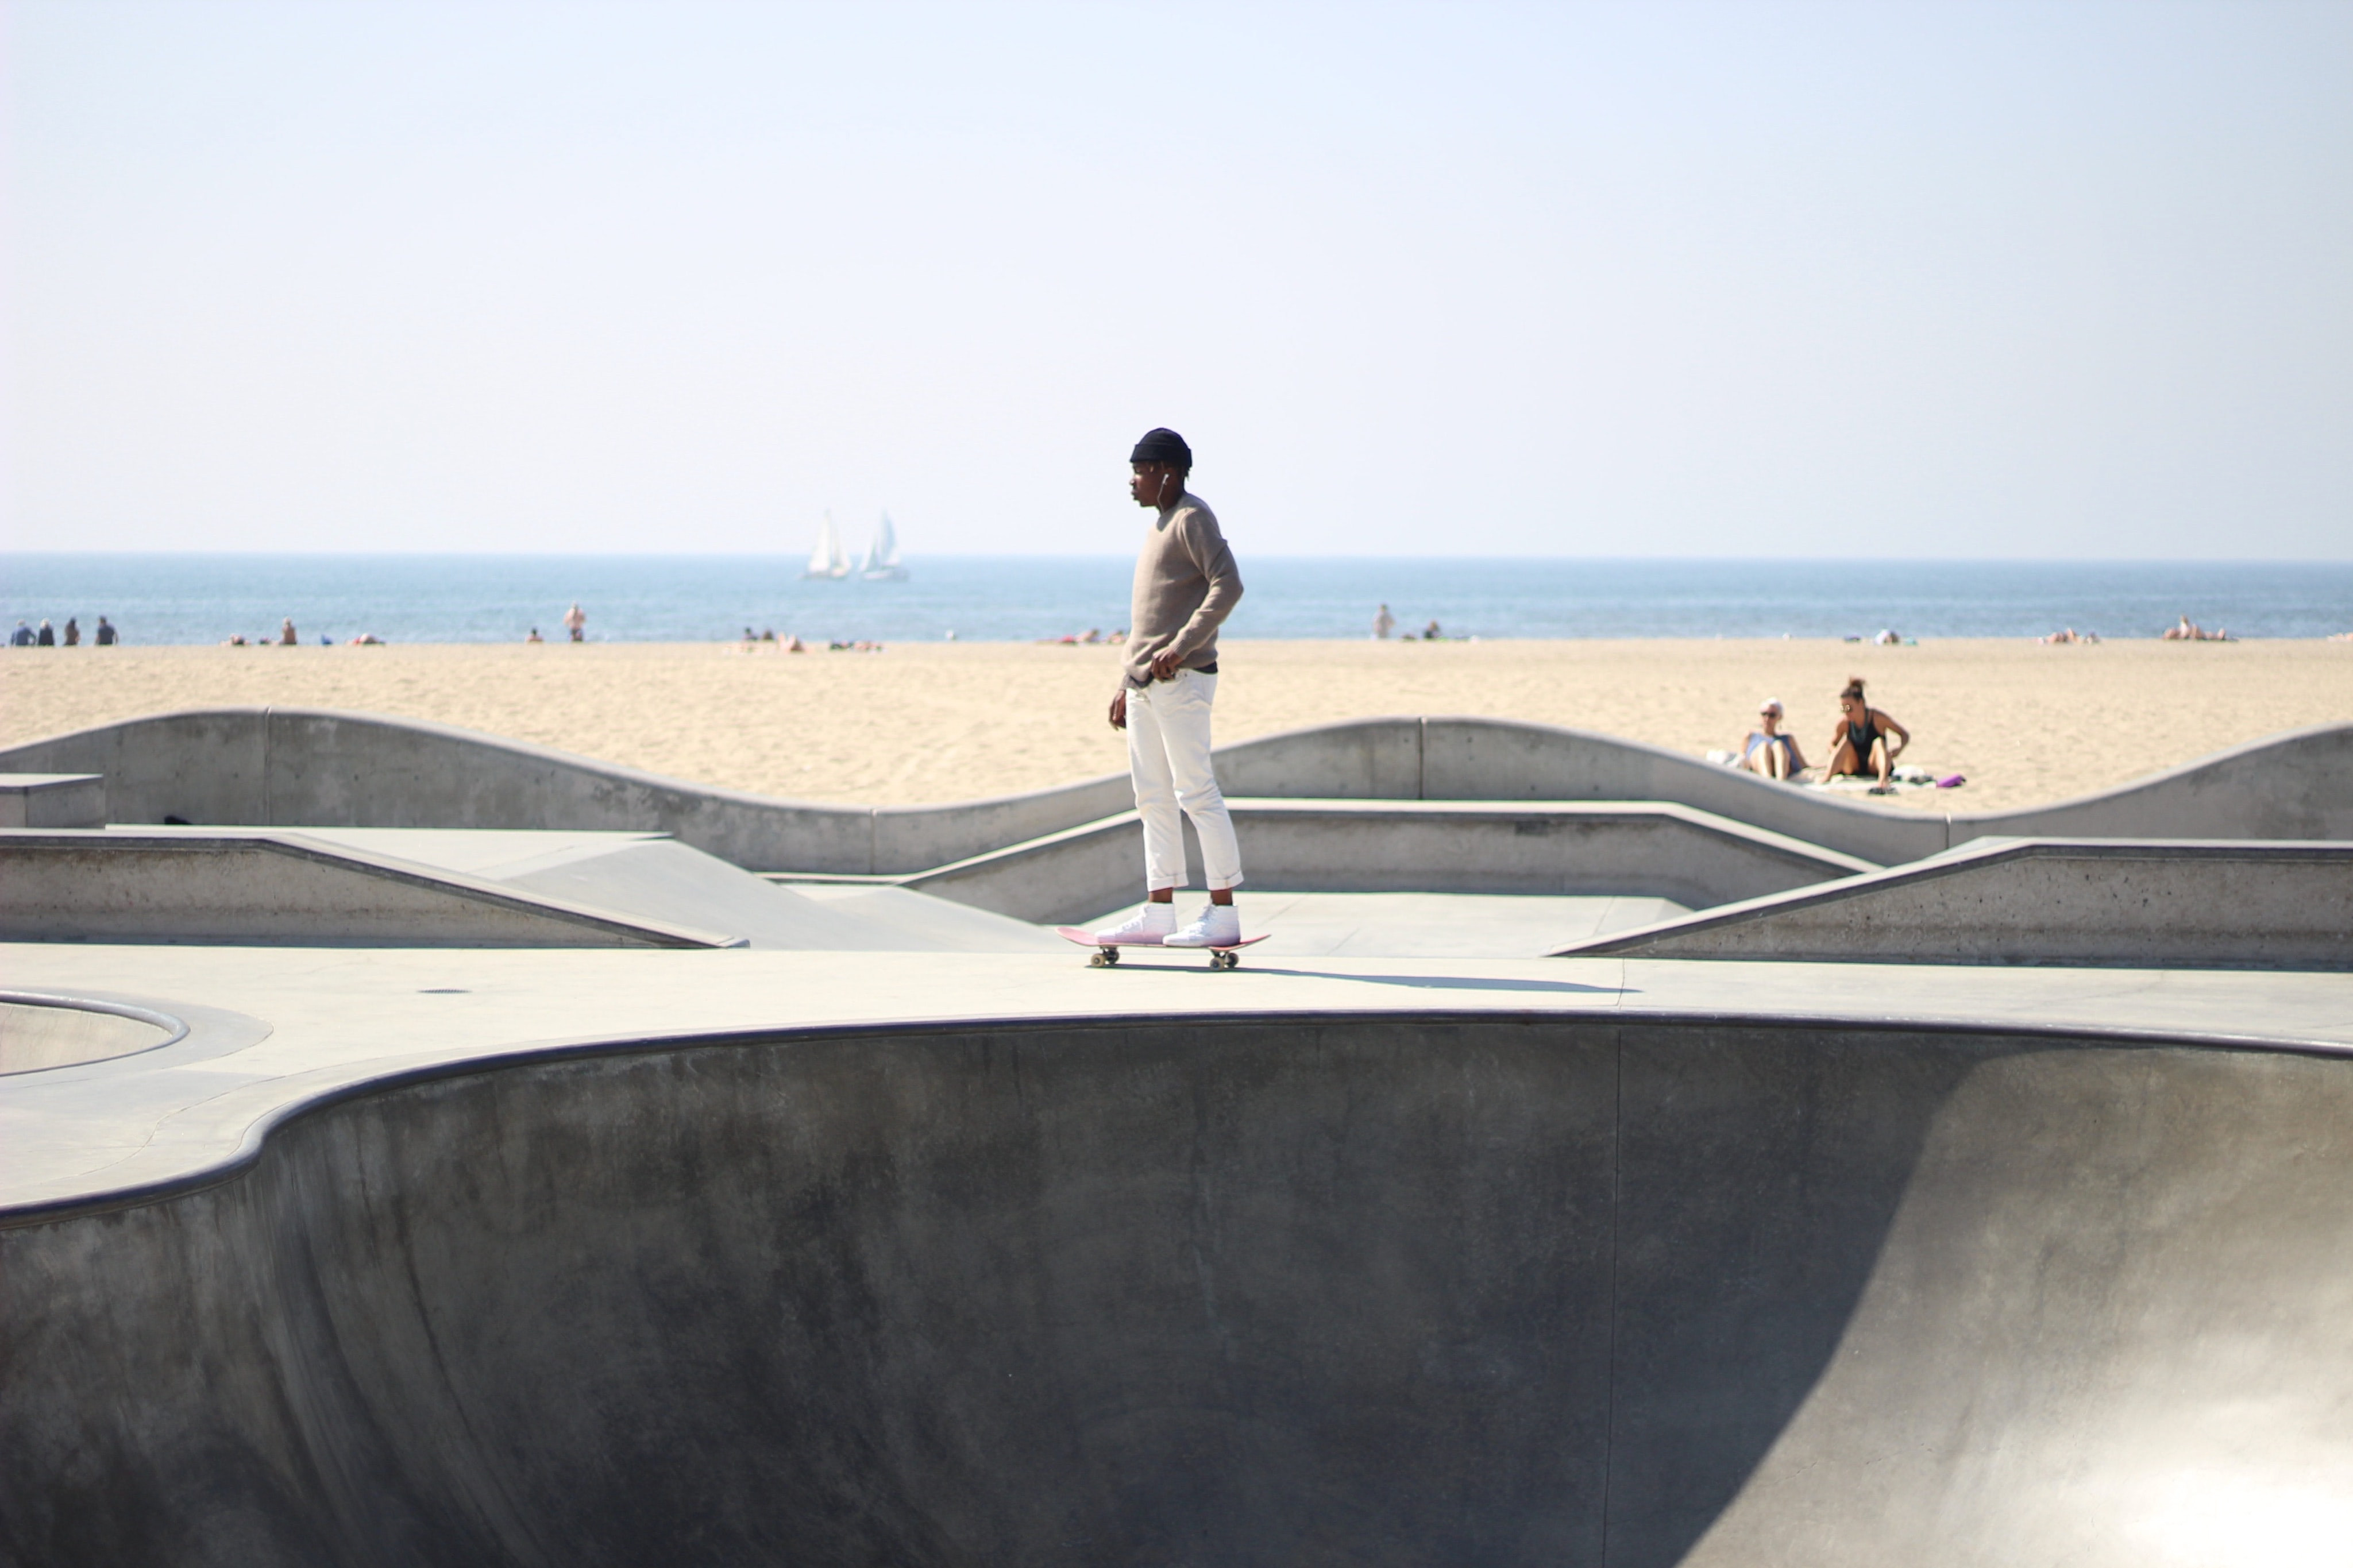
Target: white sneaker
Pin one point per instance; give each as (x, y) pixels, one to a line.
(1217, 925)
(1150, 924)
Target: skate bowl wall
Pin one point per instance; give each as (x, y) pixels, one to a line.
(311, 767)
(1368, 1289)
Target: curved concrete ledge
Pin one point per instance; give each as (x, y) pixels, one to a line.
(38, 1031)
(2161, 904)
(286, 767)
(1386, 1287)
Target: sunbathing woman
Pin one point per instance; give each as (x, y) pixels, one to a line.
(1769, 751)
(1861, 744)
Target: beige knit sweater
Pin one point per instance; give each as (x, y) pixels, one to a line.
(1186, 585)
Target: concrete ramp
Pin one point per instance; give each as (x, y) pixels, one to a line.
(2163, 904)
(451, 887)
(231, 885)
(1632, 849)
(649, 876)
(1351, 1289)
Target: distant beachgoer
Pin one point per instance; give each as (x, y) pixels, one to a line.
(368, 639)
(534, 636)
(22, 636)
(1767, 750)
(73, 632)
(106, 632)
(2067, 635)
(285, 637)
(767, 633)
(793, 643)
(1429, 633)
(49, 635)
(326, 641)
(1886, 638)
(1383, 624)
(575, 621)
(1094, 635)
(1861, 746)
(2188, 630)
(234, 640)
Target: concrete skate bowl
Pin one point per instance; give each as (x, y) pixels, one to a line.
(39, 1032)
(1363, 1289)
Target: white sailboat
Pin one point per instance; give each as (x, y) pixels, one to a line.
(828, 559)
(882, 562)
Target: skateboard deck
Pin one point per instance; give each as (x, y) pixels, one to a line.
(1106, 953)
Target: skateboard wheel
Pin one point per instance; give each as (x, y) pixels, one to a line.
(1104, 957)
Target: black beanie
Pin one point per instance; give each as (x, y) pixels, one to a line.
(1162, 445)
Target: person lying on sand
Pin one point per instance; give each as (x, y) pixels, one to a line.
(1860, 745)
(2188, 630)
(2068, 636)
(1767, 750)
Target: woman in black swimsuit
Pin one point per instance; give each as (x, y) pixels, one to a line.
(1866, 740)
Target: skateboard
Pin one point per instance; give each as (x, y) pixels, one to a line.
(1107, 953)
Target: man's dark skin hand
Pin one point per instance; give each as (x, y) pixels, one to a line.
(1152, 485)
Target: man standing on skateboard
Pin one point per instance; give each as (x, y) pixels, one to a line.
(1186, 585)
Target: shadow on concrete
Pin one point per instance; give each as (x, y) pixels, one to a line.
(1418, 982)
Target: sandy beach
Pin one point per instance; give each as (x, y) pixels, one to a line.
(933, 722)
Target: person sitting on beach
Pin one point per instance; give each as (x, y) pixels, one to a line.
(1429, 633)
(285, 637)
(73, 632)
(534, 636)
(22, 636)
(793, 643)
(106, 632)
(1767, 750)
(1859, 746)
(2068, 636)
(47, 637)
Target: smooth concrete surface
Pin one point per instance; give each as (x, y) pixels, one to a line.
(317, 768)
(1344, 1261)
(944, 926)
(52, 800)
(38, 1033)
(2142, 904)
(1631, 849)
(220, 886)
(1421, 925)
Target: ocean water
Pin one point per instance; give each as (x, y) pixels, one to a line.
(193, 598)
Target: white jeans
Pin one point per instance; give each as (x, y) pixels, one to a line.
(1168, 757)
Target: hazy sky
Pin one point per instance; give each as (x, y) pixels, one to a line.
(1749, 279)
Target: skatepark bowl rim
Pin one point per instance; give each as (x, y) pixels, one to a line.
(1108, 1281)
